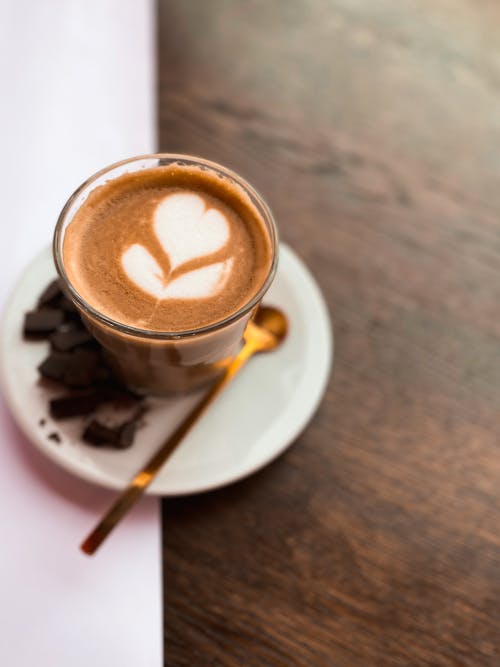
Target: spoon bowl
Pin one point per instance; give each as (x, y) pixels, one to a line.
(268, 329)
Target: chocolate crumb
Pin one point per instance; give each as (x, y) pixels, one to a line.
(41, 422)
(54, 436)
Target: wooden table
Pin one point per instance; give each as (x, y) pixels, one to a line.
(373, 130)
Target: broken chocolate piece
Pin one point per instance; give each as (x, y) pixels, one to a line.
(126, 434)
(41, 323)
(63, 341)
(85, 402)
(50, 295)
(54, 366)
(119, 437)
(118, 394)
(77, 361)
(81, 368)
(103, 375)
(75, 405)
(69, 308)
(98, 434)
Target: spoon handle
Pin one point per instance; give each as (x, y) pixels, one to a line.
(146, 475)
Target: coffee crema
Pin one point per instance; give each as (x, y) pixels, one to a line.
(171, 248)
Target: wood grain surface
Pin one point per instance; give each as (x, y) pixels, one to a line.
(373, 131)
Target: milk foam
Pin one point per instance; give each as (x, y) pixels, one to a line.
(169, 248)
(186, 230)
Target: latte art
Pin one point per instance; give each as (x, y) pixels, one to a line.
(186, 230)
(167, 248)
(146, 273)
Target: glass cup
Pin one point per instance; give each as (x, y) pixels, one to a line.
(164, 362)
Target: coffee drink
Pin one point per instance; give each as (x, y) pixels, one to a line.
(171, 248)
(166, 257)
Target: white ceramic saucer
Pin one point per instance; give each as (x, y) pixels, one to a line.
(252, 423)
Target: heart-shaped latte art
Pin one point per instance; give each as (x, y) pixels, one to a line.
(186, 230)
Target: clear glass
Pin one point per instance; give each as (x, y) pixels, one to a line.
(164, 362)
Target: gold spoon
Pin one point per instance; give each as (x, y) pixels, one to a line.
(264, 333)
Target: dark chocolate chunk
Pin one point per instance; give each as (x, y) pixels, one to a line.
(63, 341)
(74, 405)
(54, 297)
(68, 307)
(116, 393)
(103, 375)
(119, 437)
(78, 361)
(71, 325)
(81, 369)
(55, 366)
(98, 434)
(51, 294)
(41, 323)
(126, 434)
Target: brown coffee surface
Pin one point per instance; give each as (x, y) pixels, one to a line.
(169, 248)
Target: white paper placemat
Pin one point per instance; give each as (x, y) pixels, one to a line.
(78, 82)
